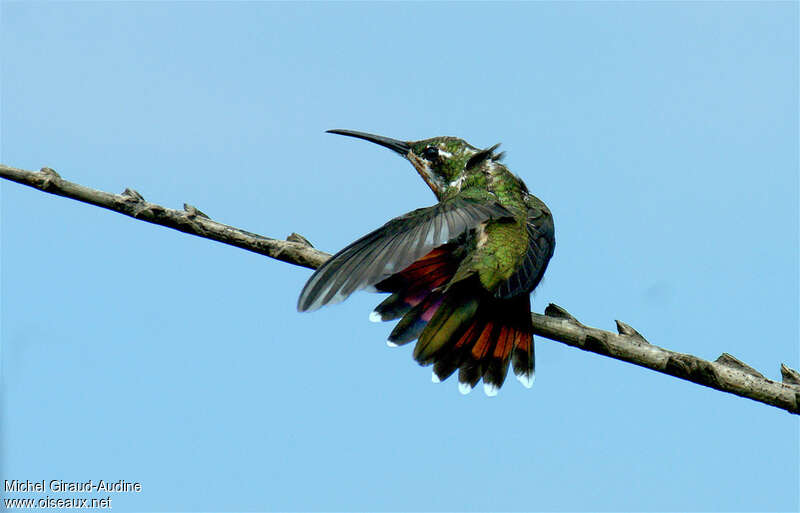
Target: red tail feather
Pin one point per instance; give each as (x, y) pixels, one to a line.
(481, 345)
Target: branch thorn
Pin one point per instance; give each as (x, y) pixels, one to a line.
(193, 211)
(730, 361)
(132, 194)
(553, 310)
(296, 237)
(789, 375)
(626, 329)
(49, 176)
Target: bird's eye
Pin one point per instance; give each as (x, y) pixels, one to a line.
(431, 153)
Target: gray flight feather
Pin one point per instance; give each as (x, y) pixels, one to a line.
(393, 247)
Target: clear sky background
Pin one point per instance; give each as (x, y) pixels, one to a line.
(663, 136)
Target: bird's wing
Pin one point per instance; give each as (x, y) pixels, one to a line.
(541, 243)
(393, 247)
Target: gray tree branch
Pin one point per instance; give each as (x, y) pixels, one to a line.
(726, 373)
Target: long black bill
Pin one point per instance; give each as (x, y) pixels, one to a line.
(393, 144)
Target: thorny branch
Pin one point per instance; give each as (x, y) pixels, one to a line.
(726, 373)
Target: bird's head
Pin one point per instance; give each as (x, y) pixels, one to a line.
(443, 162)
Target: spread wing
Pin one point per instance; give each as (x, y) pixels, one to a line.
(393, 247)
(541, 243)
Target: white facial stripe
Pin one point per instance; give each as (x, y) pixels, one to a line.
(493, 174)
(432, 177)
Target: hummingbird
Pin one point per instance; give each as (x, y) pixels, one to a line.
(460, 272)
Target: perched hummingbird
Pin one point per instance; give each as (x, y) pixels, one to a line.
(460, 273)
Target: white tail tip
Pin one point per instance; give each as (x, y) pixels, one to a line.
(490, 389)
(375, 317)
(391, 344)
(435, 378)
(464, 388)
(526, 379)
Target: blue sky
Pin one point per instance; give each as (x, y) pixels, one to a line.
(663, 136)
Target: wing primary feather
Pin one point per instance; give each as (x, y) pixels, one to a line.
(369, 265)
(391, 248)
(349, 277)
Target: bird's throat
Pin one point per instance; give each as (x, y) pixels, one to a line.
(433, 181)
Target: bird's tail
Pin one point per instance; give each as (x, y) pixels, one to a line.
(462, 327)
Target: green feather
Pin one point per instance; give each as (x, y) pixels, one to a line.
(447, 324)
